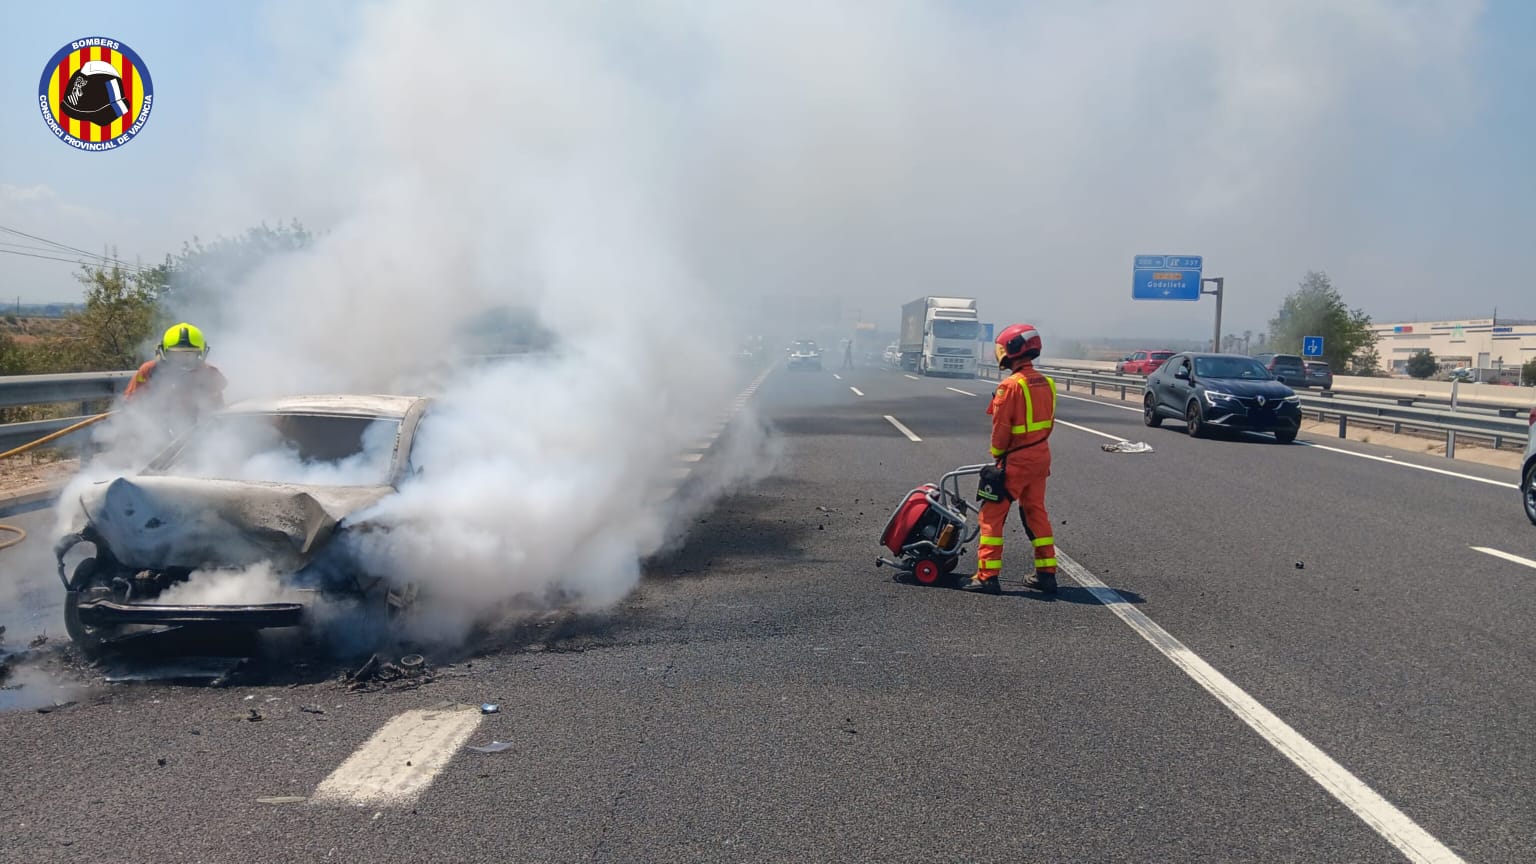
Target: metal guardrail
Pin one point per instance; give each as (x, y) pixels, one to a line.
(1498, 430)
(78, 389)
(19, 390)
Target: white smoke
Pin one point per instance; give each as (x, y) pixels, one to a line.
(642, 175)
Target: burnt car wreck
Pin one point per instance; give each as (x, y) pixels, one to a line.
(268, 493)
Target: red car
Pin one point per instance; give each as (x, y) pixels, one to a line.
(1142, 362)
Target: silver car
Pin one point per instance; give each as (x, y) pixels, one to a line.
(1528, 471)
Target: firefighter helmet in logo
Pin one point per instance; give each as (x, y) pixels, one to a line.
(95, 94)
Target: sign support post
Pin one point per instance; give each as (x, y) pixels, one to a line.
(1221, 282)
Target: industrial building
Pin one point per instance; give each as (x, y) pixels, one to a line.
(1495, 348)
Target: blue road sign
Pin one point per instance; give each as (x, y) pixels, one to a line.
(986, 333)
(1166, 277)
(1312, 346)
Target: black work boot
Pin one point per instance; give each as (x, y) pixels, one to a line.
(1041, 582)
(986, 586)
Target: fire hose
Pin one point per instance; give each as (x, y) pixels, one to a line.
(20, 534)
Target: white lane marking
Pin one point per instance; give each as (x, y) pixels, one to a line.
(1060, 422)
(837, 376)
(856, 391)
(692, 457)
(902, 429)
(1505, 555)
(401, 759)
(961, 392)
(913, 377)
(1377, 812)
(1498, 483)
(1097, 402)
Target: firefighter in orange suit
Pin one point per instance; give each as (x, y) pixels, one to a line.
(1023, 411)
(180, 383)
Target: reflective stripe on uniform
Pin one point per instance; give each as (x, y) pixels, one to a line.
(997, 451)
(991, 541)
(1043, 562)
(1029, 408)
(1044, 541)
(995, 564)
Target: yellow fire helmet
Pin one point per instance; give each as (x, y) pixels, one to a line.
(183, 337)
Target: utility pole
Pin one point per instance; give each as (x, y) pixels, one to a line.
(1220, 285)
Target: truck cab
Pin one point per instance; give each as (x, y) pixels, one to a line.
(939, 336)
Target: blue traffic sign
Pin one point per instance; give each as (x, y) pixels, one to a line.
(1312, 346)
(1166, 277)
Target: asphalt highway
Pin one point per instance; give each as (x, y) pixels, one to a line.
(1345, 677)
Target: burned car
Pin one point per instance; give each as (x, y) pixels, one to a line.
(263, 491)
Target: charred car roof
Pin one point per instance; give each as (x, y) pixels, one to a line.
(332, 403)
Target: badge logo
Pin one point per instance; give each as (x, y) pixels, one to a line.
(1261, 401)
(95, 94)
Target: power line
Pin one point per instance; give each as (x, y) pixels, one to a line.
(103, 258)
(127, 267)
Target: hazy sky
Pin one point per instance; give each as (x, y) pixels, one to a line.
(866, 152)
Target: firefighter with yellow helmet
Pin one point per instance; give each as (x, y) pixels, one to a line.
(180, 380)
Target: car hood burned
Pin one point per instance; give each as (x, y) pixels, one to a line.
(160, 522)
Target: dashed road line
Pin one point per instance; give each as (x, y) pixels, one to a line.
(1375, 811)
(837, 376)
(961, 392)
(401, 760)
(1505, 555)
(913, 377)
(856, 391)
(902, 429)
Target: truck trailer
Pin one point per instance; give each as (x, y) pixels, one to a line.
(938, 336)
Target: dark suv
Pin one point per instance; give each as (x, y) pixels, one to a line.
(1288, 369)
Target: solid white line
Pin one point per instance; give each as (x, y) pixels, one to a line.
(1377, 812)
(961, 392)
(1060, 422)
(913, 377)
(902, 429)
(1097, 402)
(1505, 555)
(856, 391)
(1498, 483)
(401, 759)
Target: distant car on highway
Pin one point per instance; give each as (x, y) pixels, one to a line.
(1288, 369)
(1142, 362)
(804, 354)
(1319, 374)
(1528, 473)
(892, 355)
(267, 492)
(1221, 391)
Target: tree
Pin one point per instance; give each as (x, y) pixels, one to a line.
(1423, 364)
(112, 329)
(1367, 363)
(1528, 373)
(1316, 308)
(196, 283)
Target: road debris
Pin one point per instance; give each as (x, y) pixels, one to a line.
(255, 716)
(379, 672)
(1301, 565)
(1128, 447)
(490, 708)
(311, 709)
(39, 641)
(282, 799)
(493, 747)
(212, 669)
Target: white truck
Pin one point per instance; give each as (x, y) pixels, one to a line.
(938, 336)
